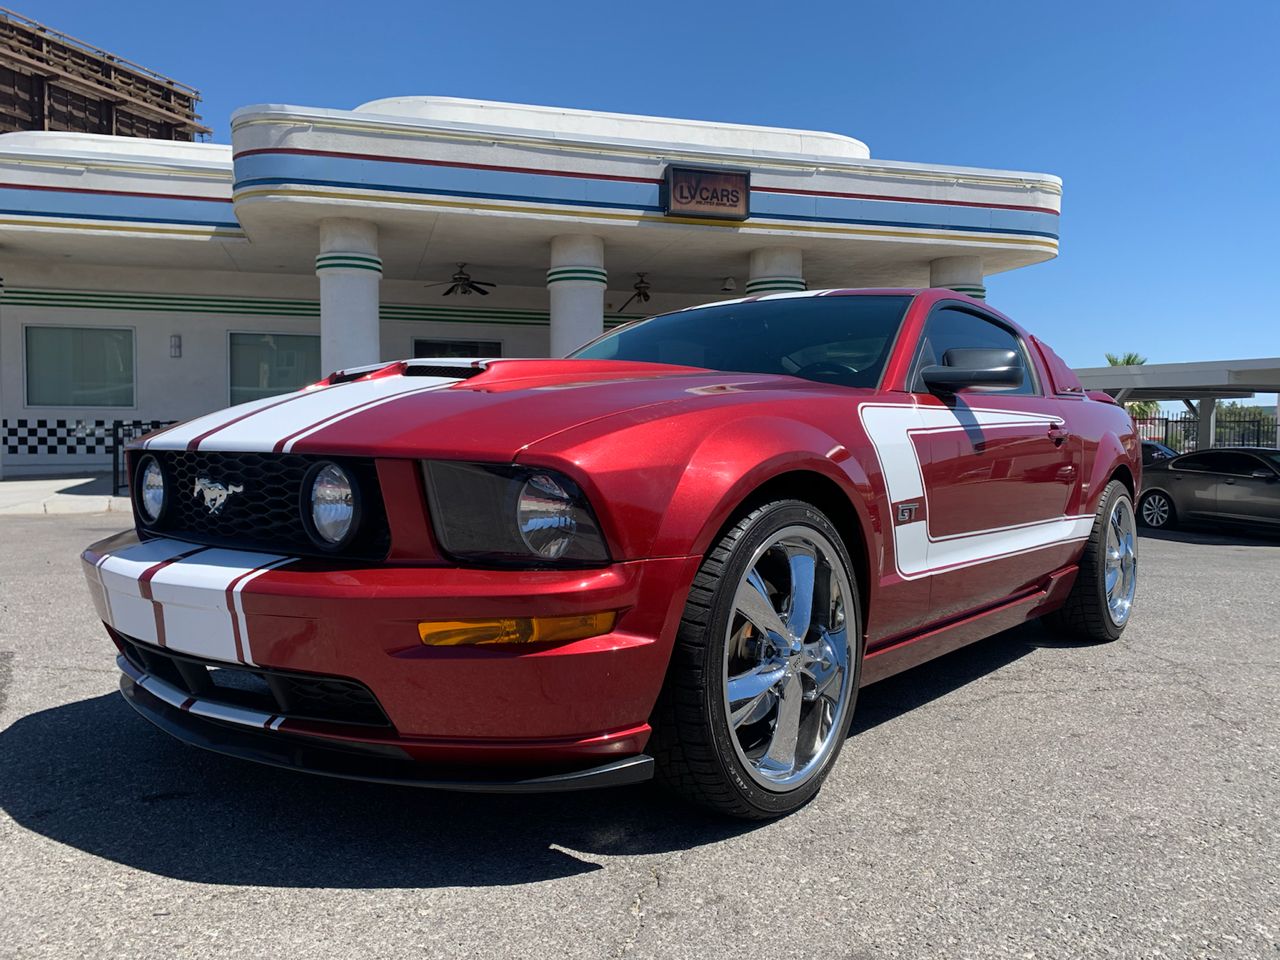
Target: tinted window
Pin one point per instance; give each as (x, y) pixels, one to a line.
(1220, 461)
(268, 364)
(457, 348)
(79, 367)
(952, 329)
(843, 340)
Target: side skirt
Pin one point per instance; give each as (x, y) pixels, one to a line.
(921, 647)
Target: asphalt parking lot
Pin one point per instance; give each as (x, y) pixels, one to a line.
(1016, 799)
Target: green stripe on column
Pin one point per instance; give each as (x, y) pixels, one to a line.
(589, 274)
(978, 293)
(349, 261)
(775, 284)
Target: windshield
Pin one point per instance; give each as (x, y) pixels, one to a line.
(843, 339)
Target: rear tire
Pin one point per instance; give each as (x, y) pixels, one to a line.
(1098, 608)
(765, 671)
(1155, 510)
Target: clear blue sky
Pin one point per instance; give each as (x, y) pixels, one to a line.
(1163, 119)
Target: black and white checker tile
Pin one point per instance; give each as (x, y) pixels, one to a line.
(49, 437)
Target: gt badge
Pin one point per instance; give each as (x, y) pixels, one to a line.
(907, 512)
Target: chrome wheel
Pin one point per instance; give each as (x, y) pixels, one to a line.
(787, 673)
(1120, 574)
(1155, 510)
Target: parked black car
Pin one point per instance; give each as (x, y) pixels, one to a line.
(1226, 484)
(1153, 450)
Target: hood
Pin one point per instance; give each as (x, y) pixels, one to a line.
(458, 408)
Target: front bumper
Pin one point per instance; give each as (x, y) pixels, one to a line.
(510, 715)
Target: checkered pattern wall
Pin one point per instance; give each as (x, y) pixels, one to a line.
(87, 438)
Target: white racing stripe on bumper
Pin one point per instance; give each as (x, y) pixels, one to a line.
(193, 597)
(189, 604)
(125, 593)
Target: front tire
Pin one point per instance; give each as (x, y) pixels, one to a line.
(1101, 600)
(765, 670)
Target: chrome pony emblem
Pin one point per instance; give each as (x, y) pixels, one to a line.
(215, 494)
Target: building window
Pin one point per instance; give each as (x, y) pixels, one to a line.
(79, 367)
(267, 364)
(475, 349)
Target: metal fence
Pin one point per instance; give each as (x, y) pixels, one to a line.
(1181, 432)
(122, 431)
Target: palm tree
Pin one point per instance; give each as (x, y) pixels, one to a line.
(1139, 409)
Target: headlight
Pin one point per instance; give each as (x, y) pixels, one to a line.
(510, 514)
(545, 516)
(150, 490)
(331, 506)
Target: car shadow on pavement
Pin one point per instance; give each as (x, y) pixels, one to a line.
(96, 777)
(1218, 536)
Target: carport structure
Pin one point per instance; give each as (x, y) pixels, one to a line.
(1205, 382)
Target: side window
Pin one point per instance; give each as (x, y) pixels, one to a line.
(950, 328)
(1220, 461)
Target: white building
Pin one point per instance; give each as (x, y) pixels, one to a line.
(151, 281)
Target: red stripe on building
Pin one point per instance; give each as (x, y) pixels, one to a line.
(112, 193)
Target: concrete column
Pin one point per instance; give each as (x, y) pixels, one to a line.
(350, 271)
(961, 274)
(576, 284)
(775, 270)
(1207, 409)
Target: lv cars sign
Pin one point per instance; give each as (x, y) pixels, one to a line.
(707, 192)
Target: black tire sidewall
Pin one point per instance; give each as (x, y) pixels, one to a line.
(770, 520)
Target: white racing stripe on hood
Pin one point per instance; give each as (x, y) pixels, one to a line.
(177, 437)
(269, 423)
(424, 384)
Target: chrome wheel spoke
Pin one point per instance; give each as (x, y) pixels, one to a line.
(752, 693)
(781, 755)
(802, 560)
(826, 659)
(752, 601)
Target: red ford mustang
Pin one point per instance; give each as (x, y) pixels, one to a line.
(680, 552)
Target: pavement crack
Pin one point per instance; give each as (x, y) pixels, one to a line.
(658, 874)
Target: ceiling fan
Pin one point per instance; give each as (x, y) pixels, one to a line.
(641, 294)
(462, 283)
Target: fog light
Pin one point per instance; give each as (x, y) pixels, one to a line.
(493, 630)
(150, 490)
(331, 507)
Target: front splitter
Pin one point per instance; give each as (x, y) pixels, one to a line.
(308, 755)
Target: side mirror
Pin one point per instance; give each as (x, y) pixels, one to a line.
(973, 368)
(1263, 475)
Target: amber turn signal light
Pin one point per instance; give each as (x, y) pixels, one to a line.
(456, 633)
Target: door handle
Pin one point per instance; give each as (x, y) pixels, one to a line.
(1059, 435)
(1228, 480)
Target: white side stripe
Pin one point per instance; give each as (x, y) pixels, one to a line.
(917, 554)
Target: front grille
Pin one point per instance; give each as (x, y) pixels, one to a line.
(297, 696)
(266, 513)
